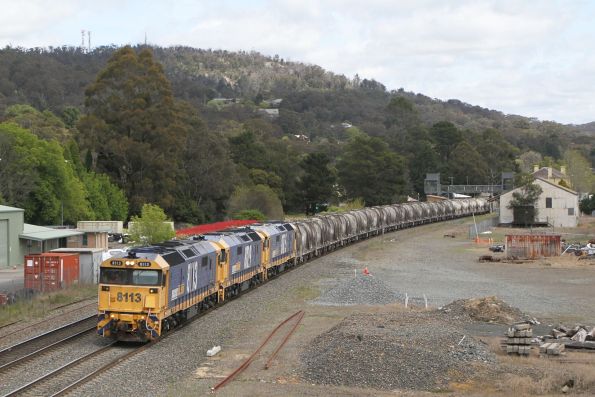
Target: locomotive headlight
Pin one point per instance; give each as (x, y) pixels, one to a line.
(153, 290)
(112, 315)
(129, 263)
(105, 288)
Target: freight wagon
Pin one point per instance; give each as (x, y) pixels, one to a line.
(155, 288)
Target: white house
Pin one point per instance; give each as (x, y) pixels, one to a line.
(557, 205)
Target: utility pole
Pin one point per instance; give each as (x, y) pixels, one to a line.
(89, 38)
(83, 40)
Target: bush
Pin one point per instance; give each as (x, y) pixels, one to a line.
(259, 197)
(249, 215)
(587, 205)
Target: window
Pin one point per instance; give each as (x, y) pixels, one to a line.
(239, 250)
(85, 240)
(130, 276)
(571, 211)
(205, 260)
(114, 276)
(548, 202)
(145, 277)
(189, 253)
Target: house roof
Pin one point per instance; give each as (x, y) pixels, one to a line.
(41, 233)
(5, 208)
(544, 181)
(558, 186)
(542, 173)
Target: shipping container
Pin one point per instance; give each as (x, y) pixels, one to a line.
(50, 271)
(89, 262)
(532, 246)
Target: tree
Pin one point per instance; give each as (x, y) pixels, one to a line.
(43, 124)
(207, 176)
(579, 172)
(587, 205)
(527, 194)
(529, 159)
(259, 197)
(57, 194)
(317, 182)
(151, 227)
(132, 128)
(447, 137)
(423, 159)
(401, 113)
(369, 170)
(467, 165)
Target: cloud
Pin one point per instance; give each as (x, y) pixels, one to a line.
(529, 58)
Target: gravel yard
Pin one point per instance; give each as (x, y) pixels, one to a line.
(341, 305)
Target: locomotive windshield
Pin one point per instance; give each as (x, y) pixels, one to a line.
(130, 277)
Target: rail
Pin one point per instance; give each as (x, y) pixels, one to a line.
(31, 347)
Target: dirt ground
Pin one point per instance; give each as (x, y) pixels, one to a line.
(420, 264)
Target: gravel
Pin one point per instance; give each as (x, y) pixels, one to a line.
(22, 330)
(487, 309)
(395, 350)
(359, 290)
(39, 366)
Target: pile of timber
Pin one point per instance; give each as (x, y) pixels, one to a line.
(579, 337)
(519, 338)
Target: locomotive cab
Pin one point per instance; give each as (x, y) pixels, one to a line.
(132, 293)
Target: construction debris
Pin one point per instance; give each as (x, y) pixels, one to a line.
(489, 258)
(519, 339)
(488, 309)
(579, 337)
(551, 349)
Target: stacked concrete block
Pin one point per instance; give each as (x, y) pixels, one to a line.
(551, 348)
(519, 339)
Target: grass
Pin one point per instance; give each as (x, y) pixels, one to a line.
(39, 305)
(306, 292)
(541, 375)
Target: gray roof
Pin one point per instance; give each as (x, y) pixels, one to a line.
(81, 250)
(542, 173)
(40, 233)
(4, 208)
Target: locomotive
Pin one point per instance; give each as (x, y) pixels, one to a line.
(153, 289)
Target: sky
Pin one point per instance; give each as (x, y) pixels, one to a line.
(531, 58)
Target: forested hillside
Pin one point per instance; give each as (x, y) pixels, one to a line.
(202, 133)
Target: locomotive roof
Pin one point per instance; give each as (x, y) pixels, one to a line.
(174, 252)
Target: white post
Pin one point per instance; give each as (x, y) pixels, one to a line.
(406, 300)
(426, 301)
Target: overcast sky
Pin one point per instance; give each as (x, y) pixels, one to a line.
(533, 58)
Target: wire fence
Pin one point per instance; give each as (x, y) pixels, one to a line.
(482, 227)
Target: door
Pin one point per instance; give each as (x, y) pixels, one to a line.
(4, 242)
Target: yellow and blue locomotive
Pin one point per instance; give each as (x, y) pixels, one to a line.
(155, 288)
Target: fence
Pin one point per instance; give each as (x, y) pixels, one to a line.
(481, 227)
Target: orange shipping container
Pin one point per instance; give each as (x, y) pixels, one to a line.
(50, 271)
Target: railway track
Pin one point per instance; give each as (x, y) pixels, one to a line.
(63, 379)
(44, 343)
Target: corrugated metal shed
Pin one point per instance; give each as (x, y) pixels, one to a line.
(532, 245)
(40, 233)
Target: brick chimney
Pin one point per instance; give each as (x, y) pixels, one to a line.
(549, 172)
(535, 167)
(563, 169)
